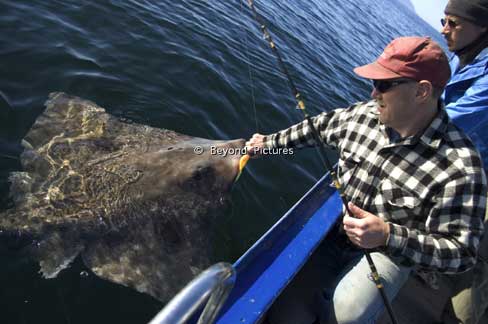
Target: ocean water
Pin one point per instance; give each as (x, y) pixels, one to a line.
(194, 66)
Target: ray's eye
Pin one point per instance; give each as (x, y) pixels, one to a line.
(197, 175)
(201, 178)
(201, 173)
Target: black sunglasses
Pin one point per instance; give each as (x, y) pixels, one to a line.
(385, 85)
(451, 23)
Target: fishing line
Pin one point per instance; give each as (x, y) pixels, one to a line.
(322, 151)
(251, 80)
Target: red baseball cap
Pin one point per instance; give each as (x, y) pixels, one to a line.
(417, 58)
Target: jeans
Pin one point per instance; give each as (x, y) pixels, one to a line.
(335, 286)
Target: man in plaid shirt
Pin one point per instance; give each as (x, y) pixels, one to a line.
(415, 184)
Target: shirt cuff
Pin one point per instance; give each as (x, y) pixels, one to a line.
(269, 141)
(397, 239)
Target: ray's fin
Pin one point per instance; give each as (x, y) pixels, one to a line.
(55, 254)
(64, 114)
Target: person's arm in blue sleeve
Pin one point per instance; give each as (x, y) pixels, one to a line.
(470, 113)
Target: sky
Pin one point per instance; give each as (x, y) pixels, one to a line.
(430, 10)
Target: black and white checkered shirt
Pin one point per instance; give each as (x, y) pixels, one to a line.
(430, 188)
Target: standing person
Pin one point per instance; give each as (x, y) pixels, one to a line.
(465, 28)
(415, 185)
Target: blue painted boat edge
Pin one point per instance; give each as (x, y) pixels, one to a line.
(272, 262)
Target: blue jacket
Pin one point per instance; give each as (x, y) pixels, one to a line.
(466, 100)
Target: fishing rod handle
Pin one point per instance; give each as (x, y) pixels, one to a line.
(377, 281)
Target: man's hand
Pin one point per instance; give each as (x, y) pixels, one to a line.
(255, 145)
(365, 230)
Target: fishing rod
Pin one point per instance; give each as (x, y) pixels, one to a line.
(322, 151)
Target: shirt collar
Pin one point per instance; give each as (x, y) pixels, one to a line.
(482, 55)
(432, 135)
(480, 61)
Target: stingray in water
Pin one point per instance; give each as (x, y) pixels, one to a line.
(136, 202)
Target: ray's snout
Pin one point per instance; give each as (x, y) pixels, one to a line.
(231, 151)
(233, 147)
(238, 143)
(236, 147)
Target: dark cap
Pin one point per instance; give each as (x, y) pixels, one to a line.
(475, 11)
(417, 58)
